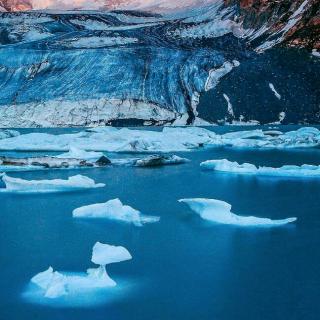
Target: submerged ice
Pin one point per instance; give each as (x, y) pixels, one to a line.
(248, 168)
(220, 212)
(77, 182)
(114, 210)
(54, 284)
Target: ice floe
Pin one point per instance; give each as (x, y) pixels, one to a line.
(54, 284)
(159, 160)
(170, 139)
(76, 153)
(248, 168)
(220, 212)
(77, 182)
(114, 210)
(35, 163)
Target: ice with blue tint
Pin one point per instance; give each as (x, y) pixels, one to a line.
(168, 140)
(224, 165)
(55, 285)
(114, 210)
(75, 153)
(77, 182)
(220, 212)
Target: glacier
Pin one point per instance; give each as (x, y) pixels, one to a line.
(90, 68)
(77, 182)
(292, 171)
(114, 210)
(220, 212)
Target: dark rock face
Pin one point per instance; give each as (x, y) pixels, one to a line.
(276, 14)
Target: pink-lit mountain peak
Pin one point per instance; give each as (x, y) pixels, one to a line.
(148, 5)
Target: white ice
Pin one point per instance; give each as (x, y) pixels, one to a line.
(168, 140)
(220, 212)
(76, 153)
(159, 160)
(77, 182)
(114, 210)
(273, 89)
(57, 284)
(304, 171)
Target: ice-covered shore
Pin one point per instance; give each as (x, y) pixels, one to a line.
(304, 171)
(111, 139)
(77, 182)
(220, 212)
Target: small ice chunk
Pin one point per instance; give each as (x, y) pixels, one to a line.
(304, 171)
(100, 277)
(72, 183)
(76, 153)
(43, 279)
(220, 212)
(53, 283)
(57, 286)
(114, 210)
(160, 160)
(103, 254)
(273, 89)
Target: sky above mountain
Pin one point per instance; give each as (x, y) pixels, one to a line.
(149, 5)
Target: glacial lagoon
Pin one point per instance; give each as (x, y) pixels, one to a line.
(183, 267)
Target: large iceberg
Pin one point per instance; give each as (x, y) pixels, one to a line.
(114, 210)
(304, 171)
(55, 284)
(77, 182)
(169, 139)
(220, 212)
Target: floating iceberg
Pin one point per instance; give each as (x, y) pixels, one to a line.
(55, 284)
(77, 182)
(170, 139)
(114, 210)
(220, 212)
(36, 163)
(304, 171)
(75, 153)
(160, 160)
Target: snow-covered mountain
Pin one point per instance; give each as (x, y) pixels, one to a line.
(224, 61)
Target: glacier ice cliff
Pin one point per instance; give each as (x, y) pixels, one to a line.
(126, 67)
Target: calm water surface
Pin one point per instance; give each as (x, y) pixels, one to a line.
(182, 267)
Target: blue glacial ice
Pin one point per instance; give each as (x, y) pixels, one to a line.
(220, 212)
(55, 285)
(304, 171)
(77, 182)
(114, 210)
(76, 153)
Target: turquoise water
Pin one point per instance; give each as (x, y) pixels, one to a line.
(183, 267)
